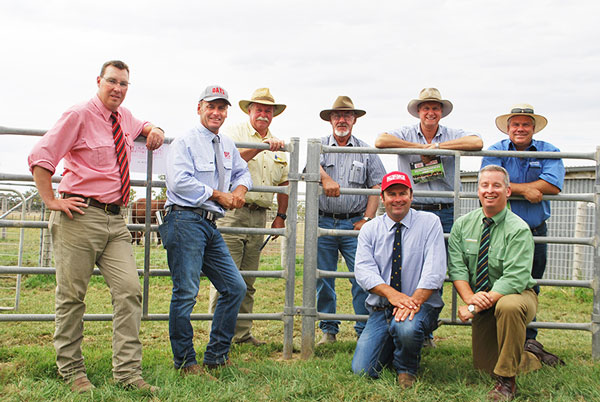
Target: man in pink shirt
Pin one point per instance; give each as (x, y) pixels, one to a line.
(96, 175)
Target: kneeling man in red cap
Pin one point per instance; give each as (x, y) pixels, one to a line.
(401, 262)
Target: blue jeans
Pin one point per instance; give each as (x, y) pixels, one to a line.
(386, 341)
(539, 267)
(194, 245)
(327, 257)
(447, 217)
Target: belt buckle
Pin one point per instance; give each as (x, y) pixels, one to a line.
(106, 208)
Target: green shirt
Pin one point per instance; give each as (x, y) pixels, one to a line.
(510, 254)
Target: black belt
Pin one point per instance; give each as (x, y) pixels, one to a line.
(381, 308)
(431, 207)
(209, 216)
(254, 207)
(112, 208)
(341, 216)
(535, 229)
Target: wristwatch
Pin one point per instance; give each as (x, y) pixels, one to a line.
(471, 308)
(282, 216)
(366, 218)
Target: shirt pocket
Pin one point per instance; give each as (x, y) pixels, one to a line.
(278, 167)
(101, 153)
(496, 259)
(201, 162)
(534, 169)
(358, 172)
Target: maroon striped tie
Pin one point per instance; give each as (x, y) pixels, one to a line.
(121, 157)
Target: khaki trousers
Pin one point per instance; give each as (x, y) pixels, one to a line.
(245, 251)
(96, 238)
(498, 335)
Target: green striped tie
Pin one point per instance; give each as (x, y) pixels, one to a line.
(482, 283)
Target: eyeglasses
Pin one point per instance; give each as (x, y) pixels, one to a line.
(112, 82)
(339, 115)
(519, 110)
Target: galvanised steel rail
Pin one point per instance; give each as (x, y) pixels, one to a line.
(289, 233)
(312, 232)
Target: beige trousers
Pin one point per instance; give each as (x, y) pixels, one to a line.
(245, 251)
(498, 335)
(102, 239)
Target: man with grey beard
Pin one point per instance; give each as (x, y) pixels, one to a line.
(345, 212)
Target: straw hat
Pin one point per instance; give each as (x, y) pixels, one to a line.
(521, 109)
(264, 97)
(429, 95)
(342, 103)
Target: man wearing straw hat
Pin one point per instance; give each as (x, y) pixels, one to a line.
(267, 168)
(531, 178)
(430, 172)
(345, 212)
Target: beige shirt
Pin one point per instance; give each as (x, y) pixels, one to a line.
(266, 169)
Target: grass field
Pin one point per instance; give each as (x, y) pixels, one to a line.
(28, 372)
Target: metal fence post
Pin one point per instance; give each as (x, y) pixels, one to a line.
(311, 227)
(290, 249)
(147, 234)
(596, 275)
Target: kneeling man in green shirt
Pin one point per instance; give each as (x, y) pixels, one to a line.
(490, 256)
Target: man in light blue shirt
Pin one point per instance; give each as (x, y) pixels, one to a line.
(427, 172)
(205, 176)
(399, 319)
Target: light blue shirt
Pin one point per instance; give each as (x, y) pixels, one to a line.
(192, 173)
(349, 171)
(526, 170)
(423, 255)
(414, 134)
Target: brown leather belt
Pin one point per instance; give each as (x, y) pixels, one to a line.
(254, 207)
(112, 208)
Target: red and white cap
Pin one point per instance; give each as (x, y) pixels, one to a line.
(395, 178)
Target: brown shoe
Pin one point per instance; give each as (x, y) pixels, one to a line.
(217, 366)
(141, 385)
(533, 346)
(504, 390)
(82, 385)
(406, 380)
(253, 341)
(196, 369)
(326, 338)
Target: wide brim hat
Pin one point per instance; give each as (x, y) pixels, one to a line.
(342, 103)
(429, 95)
(264, 97)
(521, 109)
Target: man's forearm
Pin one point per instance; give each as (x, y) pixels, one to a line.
(43, 181)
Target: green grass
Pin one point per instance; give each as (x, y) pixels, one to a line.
(28, 371)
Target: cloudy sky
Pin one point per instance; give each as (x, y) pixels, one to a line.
(484, 56)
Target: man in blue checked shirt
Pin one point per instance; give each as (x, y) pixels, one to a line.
(401, 262)
(345, 212)
(530, 178)
(205, 176)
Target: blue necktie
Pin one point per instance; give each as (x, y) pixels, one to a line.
(396, 277)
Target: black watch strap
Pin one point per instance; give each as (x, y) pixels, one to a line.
(282, 216)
